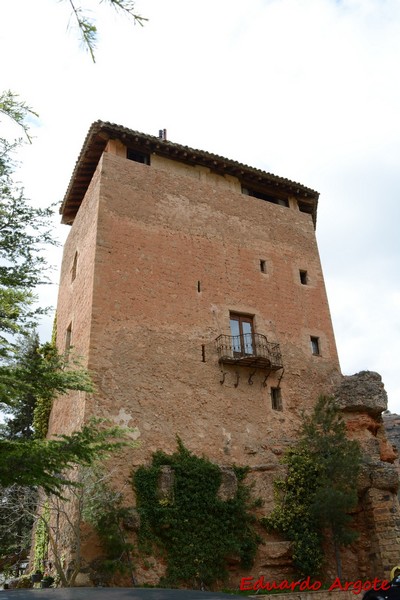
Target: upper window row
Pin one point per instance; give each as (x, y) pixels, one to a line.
(144, 158)
(140, 157)
(303, 274)
(265, 196)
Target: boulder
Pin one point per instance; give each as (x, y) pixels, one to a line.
(362, 392)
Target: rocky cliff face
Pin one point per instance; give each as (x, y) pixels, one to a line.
(363, 399)
(391, 422)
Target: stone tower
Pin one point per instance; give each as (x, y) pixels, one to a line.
(191, 284)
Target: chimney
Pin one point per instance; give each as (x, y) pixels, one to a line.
(162, 134)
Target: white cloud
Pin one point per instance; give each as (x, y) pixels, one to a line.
(307, 89)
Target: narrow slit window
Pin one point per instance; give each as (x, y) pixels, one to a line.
(263, 266)
(203, 353)
(315, 347)
(199, 286)
(276, 398)
(68, 338)
(303, 277)
(74, 267)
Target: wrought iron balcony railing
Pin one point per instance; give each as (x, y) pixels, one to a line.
(250, 350)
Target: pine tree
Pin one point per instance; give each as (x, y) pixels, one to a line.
(20, 411)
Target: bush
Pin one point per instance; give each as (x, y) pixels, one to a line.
(23, 582)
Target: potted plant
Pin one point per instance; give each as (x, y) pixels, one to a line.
(47, 581)
(36, 576)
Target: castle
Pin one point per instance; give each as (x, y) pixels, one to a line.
(192, 286)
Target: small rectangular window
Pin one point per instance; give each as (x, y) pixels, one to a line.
(315, 345)
(265, 196)
(303, 277)
(276, 398)
(139, 157)
(263, 266)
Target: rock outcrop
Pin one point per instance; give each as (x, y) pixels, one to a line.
(363, 399)
(363, 392)
(391, 422)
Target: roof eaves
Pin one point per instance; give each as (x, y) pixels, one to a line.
(101, 132)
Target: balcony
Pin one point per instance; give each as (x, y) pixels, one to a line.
(249, 350)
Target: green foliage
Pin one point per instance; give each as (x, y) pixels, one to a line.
(23, 582)
(23, 232)
(104, 510)
(338, 459)
(41, 373)
(41, 540)
(293, 515)
(27, 388)
(29, 384)
(17, 110)
(41, 462)
(320, 488)
(17, 505)
(23, 229)
(196, 529)
(86, 24)
(20, 407)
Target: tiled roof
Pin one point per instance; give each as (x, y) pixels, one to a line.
(101, 132)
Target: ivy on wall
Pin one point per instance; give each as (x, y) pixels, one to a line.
(316, 500)
(195, 529)
(293, 515)
(41, 541)
(103, 508)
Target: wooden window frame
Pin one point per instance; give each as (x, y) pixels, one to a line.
(315, 345)
(242, 318)
(276, 398)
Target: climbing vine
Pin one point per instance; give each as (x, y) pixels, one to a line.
(194, 527)
(105, 511)
(293, 515)
(41, 542)
(320, 489)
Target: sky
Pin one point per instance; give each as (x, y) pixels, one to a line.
(305, 89)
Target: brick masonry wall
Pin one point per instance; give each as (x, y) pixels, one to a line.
(161, 233)
(74, 307)
(164, 254)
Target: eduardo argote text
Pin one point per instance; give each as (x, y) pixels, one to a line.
(358, 586)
